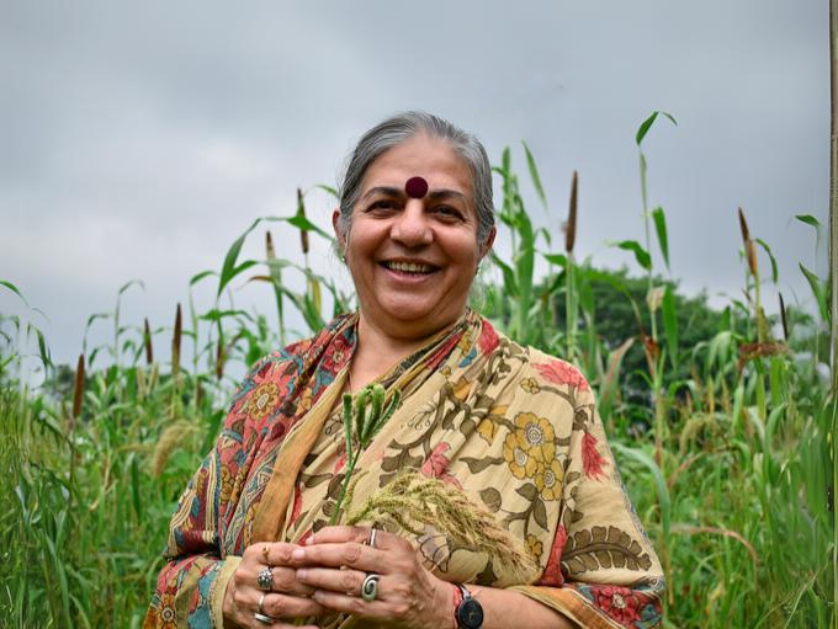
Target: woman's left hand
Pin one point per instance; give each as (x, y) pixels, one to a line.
(337, 559)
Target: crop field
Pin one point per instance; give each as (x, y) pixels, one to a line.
(722, 420)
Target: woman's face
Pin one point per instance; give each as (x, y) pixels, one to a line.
(413, 260)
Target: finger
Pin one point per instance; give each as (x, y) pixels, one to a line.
(275, 553)
(285, 606)
(354, 605)
(347, 582)
(284, 580)
(340, 534)
(352, 555)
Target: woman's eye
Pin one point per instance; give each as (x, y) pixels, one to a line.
(382, 205)
(448, 212)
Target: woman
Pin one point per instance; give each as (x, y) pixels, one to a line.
(514, 429)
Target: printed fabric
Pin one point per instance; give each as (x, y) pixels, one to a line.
(515, 429)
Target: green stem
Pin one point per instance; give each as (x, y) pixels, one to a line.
(344, 487)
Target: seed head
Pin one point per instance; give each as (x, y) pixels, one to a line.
(301, 211)
(570, 226)
(149, 351)
(78, 387)
(176, 342)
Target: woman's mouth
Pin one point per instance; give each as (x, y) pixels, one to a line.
(409, 268)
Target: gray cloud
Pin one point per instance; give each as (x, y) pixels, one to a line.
(140, 140)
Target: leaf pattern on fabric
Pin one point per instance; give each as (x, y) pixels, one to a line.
(602, 548)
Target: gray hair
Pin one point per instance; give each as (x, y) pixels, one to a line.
(401, 128)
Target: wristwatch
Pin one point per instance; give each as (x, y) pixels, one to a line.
(469, 612)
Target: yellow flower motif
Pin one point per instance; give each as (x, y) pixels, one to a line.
(530, 385)
(487, 429)
(305, 401)
(535, 436)
(535, 546)
(549, 479)
(461, 388)
(263, 400)
(521, 463)
(226, 485)
(167, 614)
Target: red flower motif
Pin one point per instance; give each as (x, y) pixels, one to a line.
(552, 575)
(437, 463)
(336, 355)
(298, 503)
(488, 340)
(622, 604)
(592, 460)
(560, 372)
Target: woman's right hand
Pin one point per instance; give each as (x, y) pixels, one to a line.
(286, 600)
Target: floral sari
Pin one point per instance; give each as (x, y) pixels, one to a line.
(515, 429)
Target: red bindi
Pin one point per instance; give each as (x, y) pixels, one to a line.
(416, 187)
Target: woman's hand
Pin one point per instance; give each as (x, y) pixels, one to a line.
(337, 559)
(286, 599)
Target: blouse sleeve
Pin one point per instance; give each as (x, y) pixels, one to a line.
(602, 571)
(191, 585)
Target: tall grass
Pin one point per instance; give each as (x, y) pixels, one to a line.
(733, 475)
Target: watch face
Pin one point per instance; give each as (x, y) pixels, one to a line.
(470, 614)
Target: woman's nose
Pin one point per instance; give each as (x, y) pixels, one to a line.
(411, 226)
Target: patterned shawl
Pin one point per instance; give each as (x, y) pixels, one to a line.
(515, 429)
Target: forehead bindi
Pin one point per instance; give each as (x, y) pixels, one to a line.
(416, 187)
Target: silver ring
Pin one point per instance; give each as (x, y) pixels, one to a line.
(261, 602)
(372, 538)
(369, 589)
(265, 620)
(265, 579)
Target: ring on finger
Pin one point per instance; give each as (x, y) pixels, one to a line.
(265, 578)
(369, 589)
(265, 550)
(262, 602)
(371, 542)
(265, 620)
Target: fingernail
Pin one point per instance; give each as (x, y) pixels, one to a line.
(299, 553)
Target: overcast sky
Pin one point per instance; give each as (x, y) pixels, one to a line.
(138, 140)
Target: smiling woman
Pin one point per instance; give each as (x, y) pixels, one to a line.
(511, 433)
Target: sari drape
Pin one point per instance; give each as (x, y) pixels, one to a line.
(514, 429)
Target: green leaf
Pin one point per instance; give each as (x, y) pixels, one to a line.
(15, 290)
(647, 124)
(640, 254)
(774, 274)
(640, 456)
(301, 222)
(128, 285)
(670, 324)
(536, 180)
(203, 274)
(818, 290)
(556, 258)
(333, 192)
(510, 284)
(228, 269)
(809, 220)
(660, 227)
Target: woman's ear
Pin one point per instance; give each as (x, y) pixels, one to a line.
(341, 237)
(486, 247)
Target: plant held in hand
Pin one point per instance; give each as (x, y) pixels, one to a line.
(364, 415)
